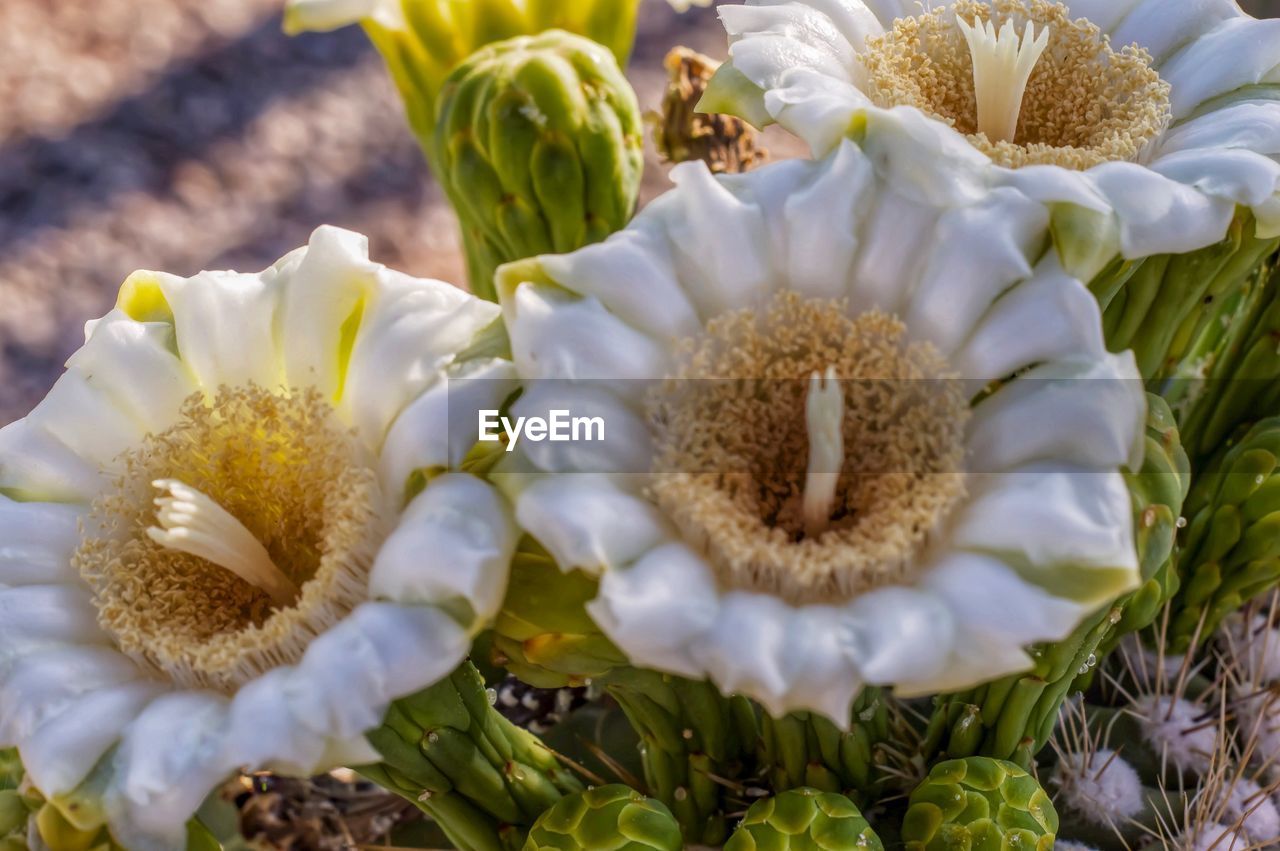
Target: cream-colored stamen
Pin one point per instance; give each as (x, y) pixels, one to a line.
(192, 523)
(824, 415)
(1002, 66)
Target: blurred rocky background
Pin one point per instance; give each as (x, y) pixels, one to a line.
(191, 134)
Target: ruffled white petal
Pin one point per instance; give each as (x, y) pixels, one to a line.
(410, 331)
(1158, 215)
(441, 426)
(37, 540)
(1089, 413)
(557, 337)
(626, 446)
(659, 608)
(168, 760)
(136, 366)
(42, 616)
(1241, 51)
(1162, 27)
(1107, 14)
(1252, 125)
(454, 544)
(35, 465)
(589, 522)
(42, 684)
(1050, 317)
(62, 751)
(895, 634)
(1046, 515)
(86, 420)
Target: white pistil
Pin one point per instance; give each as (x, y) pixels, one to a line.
(824, 415)
(193, 523)
(1002, 65)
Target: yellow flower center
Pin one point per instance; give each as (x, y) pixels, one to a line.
(1027, 84)
(234, 538)
(808, 453)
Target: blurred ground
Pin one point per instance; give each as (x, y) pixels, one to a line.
(191, 134)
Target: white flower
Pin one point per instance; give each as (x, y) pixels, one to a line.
(964, 525)
(1145, 122)
(232, 533)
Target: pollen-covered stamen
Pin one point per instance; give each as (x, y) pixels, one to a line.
(193, 523)
(824, 415)
(1002, 65)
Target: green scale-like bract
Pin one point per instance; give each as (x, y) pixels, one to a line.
(538, 142)
(804, 820)
(979, 804)
(607, 818)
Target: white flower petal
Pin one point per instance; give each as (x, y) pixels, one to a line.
(768, 40)
(1252, 125)
(788, 658)
(38, 617)
(135, 365)
(1162, 27)
(169, 760)
(441, 426)
(974, 659)
(1043, 516)
(320, 294)
(1238, 52)
(626, 447)
(587, 521)
(42, 684)
(558, 336)
(87, 420)
(382, 651)
(1090, 413)
(454, 542)
(1234, 176)
(897, 633)
(37, 540)
(1107, 14)
(658, 608)
(62, 751)
(891, 262)
(1052, 316)
(978, 252)
(34, 465)
(988, 598)
(631, 274)
(410, 331)
(1158, 215)
(224, 323)
(719, 239)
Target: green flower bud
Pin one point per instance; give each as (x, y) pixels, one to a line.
(452, 753)
(543, 634)
(607, 818)
(1231, 545)
(804, 820)
(538, 143)
(979, 804)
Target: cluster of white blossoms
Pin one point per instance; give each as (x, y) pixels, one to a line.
(242, 523)
(1144, 124)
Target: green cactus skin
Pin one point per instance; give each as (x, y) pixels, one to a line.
(804, 819)
(1232, 541)
(538, 141)
(979, 804)
(696, 746)
(452, 753)
(804, 749)
(1013, 718)
(607, 818)
(1174, 310)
